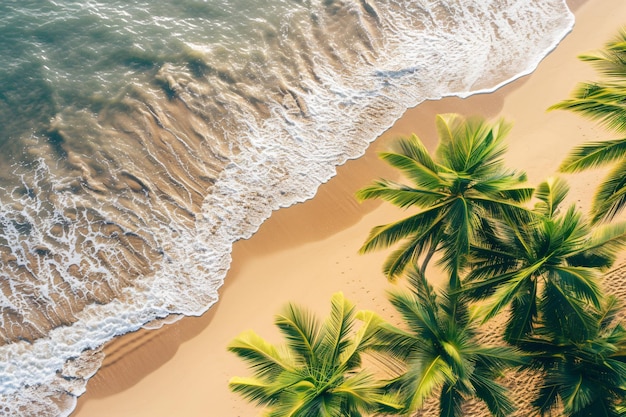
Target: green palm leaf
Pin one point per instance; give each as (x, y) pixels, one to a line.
(432, 375)
(261, 355)
(581, 281)
(301, 329)
(407, 254)
(551, 193)
(422, 224)
(610, 197)
(594, 154)
(510, 288)
(426, 176)
(598, 101)
(493, 395)
(611, 61)
(413, 148)
(572, 315)
(523, 314)
(334, 332)
(365, 394)
(399, 195)
(253, 389)
(606, 241)
(450, 402)
(603, 101)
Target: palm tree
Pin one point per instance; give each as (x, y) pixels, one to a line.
(550, 267)
(318, 373)
(582, 377)
(442, 353)
(604, 100)
(466, 181)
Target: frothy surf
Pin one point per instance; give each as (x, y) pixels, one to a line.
(164, 133)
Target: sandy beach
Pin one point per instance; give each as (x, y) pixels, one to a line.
(305, 253)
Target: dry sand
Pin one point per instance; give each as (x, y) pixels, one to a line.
(308, 252)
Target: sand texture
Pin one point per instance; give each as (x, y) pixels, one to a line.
(306, 253)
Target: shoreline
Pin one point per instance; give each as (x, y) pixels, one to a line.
(183, 368)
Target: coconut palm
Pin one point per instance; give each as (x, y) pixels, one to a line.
(318, 372)
(604, 100)
(464, 182)
(582, 377)
(550, 266)
(442, 353)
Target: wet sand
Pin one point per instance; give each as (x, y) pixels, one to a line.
(306, 253)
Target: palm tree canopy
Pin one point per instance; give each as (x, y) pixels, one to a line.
(605, 101)
(442, 353)
(464, 182)
(318, 372)
(551, 265)
(611, 61)
(584, 377)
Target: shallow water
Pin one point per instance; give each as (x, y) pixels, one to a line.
(140, 140)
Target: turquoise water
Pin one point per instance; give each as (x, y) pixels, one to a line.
(141, 139)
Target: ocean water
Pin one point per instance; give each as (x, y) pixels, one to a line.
(139, 139)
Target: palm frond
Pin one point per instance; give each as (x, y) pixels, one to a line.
(366, 394)
(609, 312)
(562, 310)
(421, 381)
(364, 339)
(504, 188)
(507, 291)
(412, 147)
(486, 157)
(594, 154)
(397, 343)
(547, 400)
(607, 241)
(505, 210)
(551, 193)
(611, 60)
(422, 290)
(493, 395)
(576, 394)
(610, 197)
(450, 402)
(579, 281)
(300, 328)
(523, 314)
(425, 176)
(479, 289)
(335, 329)
(409, 253)
(598, 101)
(262, 356)
(457, 244)
(253, 389)
(493, 361)
(386, 235)
(399, 194)
(420, 319)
